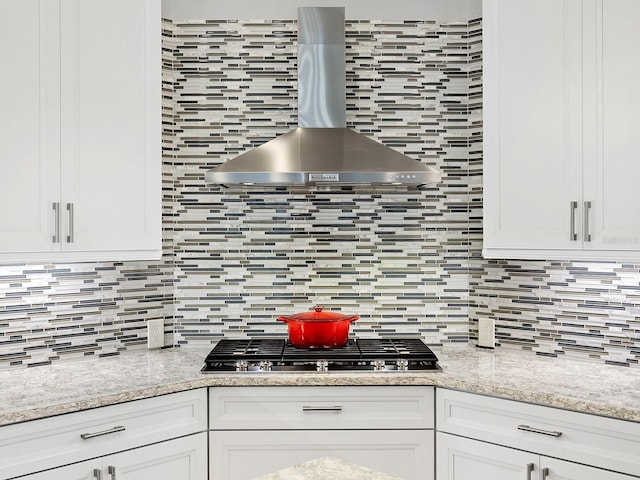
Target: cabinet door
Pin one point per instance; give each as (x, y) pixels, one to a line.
(459, 458)
(89, 470)
(612, 103)
(407, 454)
(184, 459)
(110, 97)
(29, 124)
(532, 124)
(553, 469)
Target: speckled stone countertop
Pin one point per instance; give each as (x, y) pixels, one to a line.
(326, 468)
(38, 392)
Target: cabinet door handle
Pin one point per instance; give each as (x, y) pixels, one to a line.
(70, 210)
(587, 235)
(530, 468)
(111, 470)
(573, 236)
(56, 222)
(97, 474)
(118, 428)
(551, 433)
(545, 473)
(326, 408)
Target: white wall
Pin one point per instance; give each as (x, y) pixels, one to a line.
(355, 9)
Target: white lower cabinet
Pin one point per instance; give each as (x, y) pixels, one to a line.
(161, 437)
(245, 455)
(485, 437)
(258, 430)
(459, 458)
(184, 458)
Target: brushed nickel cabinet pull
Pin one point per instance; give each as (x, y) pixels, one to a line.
(527, 428)
(118, 428)
(70, 210)
(56, 222)
(111, 470)
(530, 468)
(573, 236)
(97, 474)
(545, 473)
(587, 234)
(328, 408)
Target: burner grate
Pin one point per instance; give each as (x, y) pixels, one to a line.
(350, 352)
(390, 354)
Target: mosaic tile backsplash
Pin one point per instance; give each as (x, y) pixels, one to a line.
(408, 262)
(397, 258)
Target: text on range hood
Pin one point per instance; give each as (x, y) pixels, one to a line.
(322, 150)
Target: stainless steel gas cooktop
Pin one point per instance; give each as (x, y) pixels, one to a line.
(362, 355)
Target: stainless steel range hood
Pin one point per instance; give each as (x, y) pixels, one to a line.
(322, 150)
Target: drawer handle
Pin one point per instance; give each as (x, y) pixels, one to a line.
(328, 408)
(527, 428)
(530, 469)
(545, 473)
(97, 474)
(87, 436)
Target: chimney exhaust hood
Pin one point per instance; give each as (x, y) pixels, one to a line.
(322, 151)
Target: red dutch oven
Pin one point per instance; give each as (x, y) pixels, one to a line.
(318, 329)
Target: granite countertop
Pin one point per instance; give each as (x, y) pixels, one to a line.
(326, 468)
(38, 392)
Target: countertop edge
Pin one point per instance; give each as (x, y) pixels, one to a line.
(547, 400)
(583, 387)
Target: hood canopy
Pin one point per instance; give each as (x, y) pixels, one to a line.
(322, 150)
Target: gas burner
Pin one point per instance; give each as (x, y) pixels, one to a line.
(362, 355)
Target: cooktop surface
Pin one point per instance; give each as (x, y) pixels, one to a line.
(363, 354)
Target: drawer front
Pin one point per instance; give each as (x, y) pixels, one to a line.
(589, 439)
(245, 455)
(309, 408)
(40, 444)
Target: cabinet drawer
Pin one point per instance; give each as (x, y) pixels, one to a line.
(321, 408)
(39, 444)
(245, 455)
(589, 439)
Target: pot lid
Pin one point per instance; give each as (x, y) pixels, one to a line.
(319, 315)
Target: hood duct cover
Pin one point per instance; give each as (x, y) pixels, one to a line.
(322, 150)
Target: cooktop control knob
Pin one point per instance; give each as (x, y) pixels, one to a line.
(265, 366)
(402, 364)
(378, 365)
(242, 366)
(322, 365)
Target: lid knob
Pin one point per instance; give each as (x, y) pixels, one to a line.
(318, 308)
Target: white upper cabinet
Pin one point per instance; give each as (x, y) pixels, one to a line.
(30, 111)
(612, 123)
(559, 103)
(80, 136)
